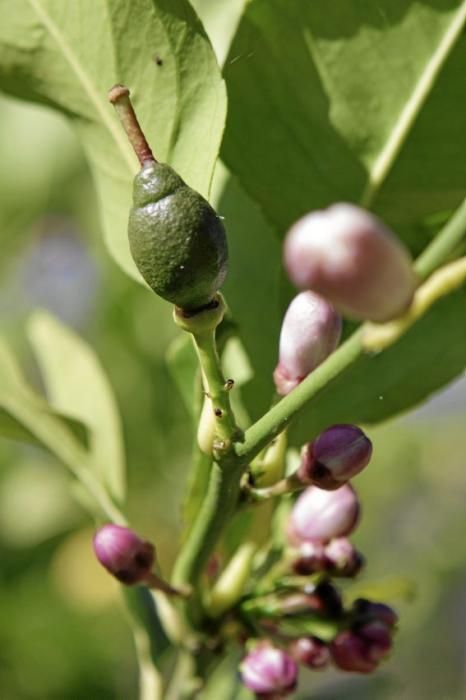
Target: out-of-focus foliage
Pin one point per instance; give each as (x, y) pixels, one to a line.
(63, 632)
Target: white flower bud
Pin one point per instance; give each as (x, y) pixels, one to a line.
(353, 260)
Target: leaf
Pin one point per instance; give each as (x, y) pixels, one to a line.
(67, 55)
(31, 416)
(78, 387)
(359, 104)
(378, 386)
(315, 102)
(252, 289)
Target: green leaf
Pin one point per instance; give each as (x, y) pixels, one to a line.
(252, 288)
(29, 415)
(359, 104)
(78, 387)
(67, 55)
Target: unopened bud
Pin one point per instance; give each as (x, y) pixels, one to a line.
(269, 671)
(367, 610)
(310, 332)
(124, 554)
(310, 652)
(360, 650)
(323, 515)
(353, 260)
(335, 456)
(343, 558)
(311, 559)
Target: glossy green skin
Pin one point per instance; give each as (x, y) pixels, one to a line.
(177, 240)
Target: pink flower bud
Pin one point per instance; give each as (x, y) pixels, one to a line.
(360, 650)
(310, 332)
(310, 652)
(125, 555)
(353, 260)
(267, 670)
(335, 456)
(343, 558)
(323, 515)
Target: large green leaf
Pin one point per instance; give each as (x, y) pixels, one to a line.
(327, 100)
(68, 54)
(77, 386)
(358, 104)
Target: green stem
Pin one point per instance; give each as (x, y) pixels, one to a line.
(438, 252)
(281, 415)
(218, 507)
(226, 430)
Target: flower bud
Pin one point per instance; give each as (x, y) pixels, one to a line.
(369, 611)
(311, 559)
(310, 332)
(343, 559)
(335, 456)
(125, 555)
(267, 670)
(310, 652)
(353, 260)
(323, 515)
(360, 650)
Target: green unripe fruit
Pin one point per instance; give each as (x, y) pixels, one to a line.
(176, 238)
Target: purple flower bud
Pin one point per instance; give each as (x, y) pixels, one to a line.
(368, 611)
(310, 332)
(269, 671)
(335, 456)
(323, 515)
(125, 555)
(353, 260)
(361, 649)
(344, 559)
(310, 652)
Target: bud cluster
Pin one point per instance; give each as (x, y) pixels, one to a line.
(355, 639)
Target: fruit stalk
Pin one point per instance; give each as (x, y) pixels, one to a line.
(119, 96)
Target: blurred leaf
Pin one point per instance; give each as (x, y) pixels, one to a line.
(324, 105)
(77, 386)
(378, 386)
(10, 428)
(67, 55)
(42, 491)
(27, 410)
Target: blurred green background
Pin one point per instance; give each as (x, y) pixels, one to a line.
(63, 633)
